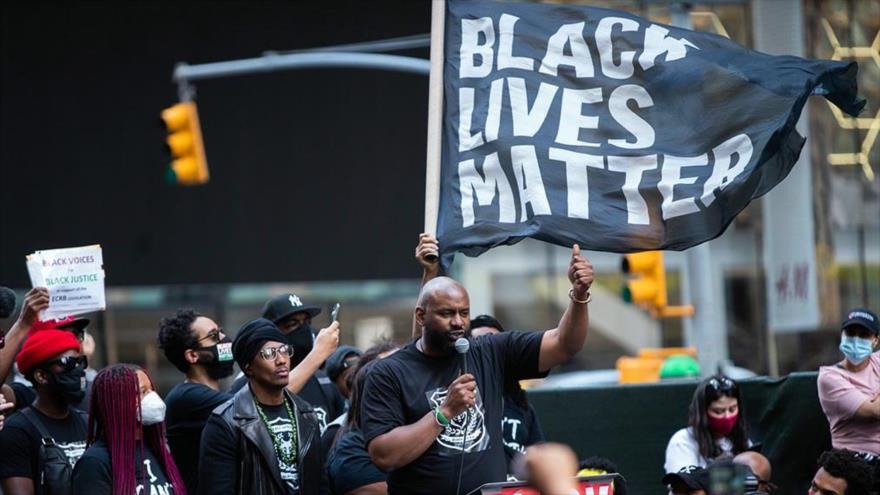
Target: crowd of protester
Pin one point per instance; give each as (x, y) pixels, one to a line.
(306, 415)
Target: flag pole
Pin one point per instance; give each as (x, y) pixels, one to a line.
(435, 117)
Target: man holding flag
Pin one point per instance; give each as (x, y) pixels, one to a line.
(432, 417)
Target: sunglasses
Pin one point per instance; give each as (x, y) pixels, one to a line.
(69, 363)
(269, 353)
(722, 385)
(213, 335)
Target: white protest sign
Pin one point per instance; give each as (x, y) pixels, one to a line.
(74, 277)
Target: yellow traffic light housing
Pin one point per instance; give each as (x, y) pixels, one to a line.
(647, 286)
(184, 141)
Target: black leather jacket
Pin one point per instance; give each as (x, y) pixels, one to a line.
(237, 455)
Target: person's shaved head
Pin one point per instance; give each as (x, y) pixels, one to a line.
(443, 313)
(437, 286)
(759, 464)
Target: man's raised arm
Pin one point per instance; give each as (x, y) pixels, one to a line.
(563, 342)
(427, 254)
(325, 344)
(36, 300)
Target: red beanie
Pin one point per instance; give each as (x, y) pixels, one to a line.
(41, 346)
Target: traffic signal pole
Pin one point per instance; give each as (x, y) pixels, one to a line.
(274, 62)
(190, 165)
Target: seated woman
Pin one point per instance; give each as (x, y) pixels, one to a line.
(716, 426)
(127, 453)
(349, 467)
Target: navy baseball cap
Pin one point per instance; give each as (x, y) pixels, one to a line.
(862, 317)
(280, 307)
(340, 360)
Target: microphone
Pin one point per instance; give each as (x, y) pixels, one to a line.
(462, 345)
(7, 302)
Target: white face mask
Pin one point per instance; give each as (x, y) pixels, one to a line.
(152, 409)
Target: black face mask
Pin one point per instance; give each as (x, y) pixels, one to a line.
(219, 365)
(69, 385)
(301, 341)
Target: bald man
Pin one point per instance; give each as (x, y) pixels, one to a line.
(759, 465)
(421, 415)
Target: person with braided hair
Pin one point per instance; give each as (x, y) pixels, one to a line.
(127, 453)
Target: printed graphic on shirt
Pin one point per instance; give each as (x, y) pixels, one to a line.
(510, 428)
(73, 450)
(454, 438)
(156, 485)
(322, 417)
(283, 429)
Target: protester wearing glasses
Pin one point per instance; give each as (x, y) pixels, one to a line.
(23, 388)
(849, 391)
(265, 439)
(20, 392)
(716, 427)
(308, 353)
(197, 347)
(127, 452)
(50, 427)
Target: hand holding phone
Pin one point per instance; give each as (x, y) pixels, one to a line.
(334, 313)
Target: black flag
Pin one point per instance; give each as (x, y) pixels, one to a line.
(574, 124)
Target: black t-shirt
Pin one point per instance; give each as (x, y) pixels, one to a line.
(93, 475)
(349, 465)
(520, 428)
(20, 442)
(284, 430)
(188, 406)
(319, 392)
(405, 386)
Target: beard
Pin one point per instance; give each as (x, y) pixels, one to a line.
(438, 341)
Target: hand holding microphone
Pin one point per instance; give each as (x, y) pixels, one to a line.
(460, 395)
(462, 392)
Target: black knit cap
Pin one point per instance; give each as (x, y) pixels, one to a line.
(251, 337)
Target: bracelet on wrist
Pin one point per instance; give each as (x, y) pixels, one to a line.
(440, 418)
(579, 301)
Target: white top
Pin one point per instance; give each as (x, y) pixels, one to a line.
(683, 451)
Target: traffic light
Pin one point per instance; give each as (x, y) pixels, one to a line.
(189, 164)
(647, 285)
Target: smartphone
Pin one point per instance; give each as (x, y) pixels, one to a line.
(334, 313)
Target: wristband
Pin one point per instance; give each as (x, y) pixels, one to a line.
(440, 418)
(574, 299)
